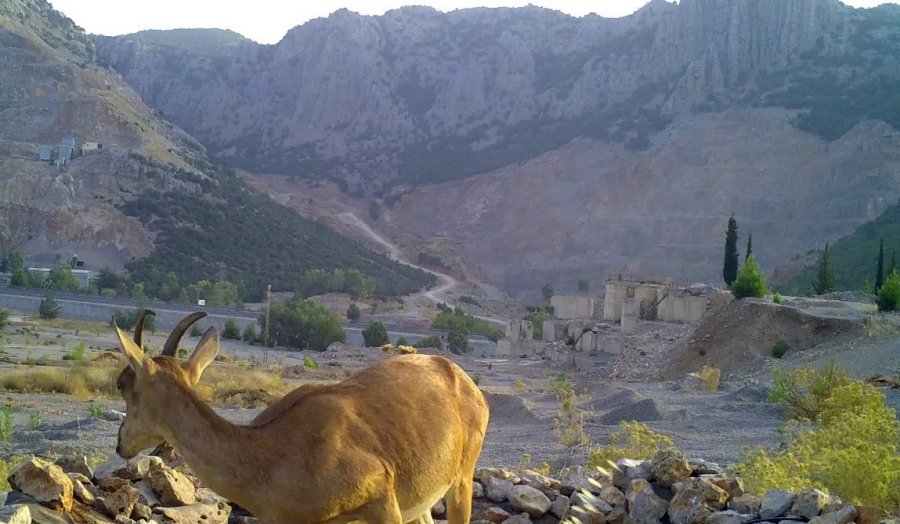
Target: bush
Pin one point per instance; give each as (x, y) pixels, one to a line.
(750, 281)
(853, 451)
(402, 341)
(375, 335)
(710, 377)
(304, 324)
(249, 335)
(432, 341)
(48, 308)
(777, 298)
(804, 391)
(633, 440)
(779, 348)
(4, 316)
(353, 313)
(231, 330)
(308, 362)
(889, 294)
(77, 353)
(127, 319)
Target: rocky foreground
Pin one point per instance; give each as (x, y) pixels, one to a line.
(668, 488)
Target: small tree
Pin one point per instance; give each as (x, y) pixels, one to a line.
(750, 281)
(749, 247)
(13, 261)
(824, 282)
(458, 336)
(375, 335)
(402, 341)
(48, 309)
(730, 266)
(4, 316)
(893, 266)
(231, 330)
(879, 268)
(547, 291)
(583, 285)
(353, 312)
(196, 331)
(61, 278)
(889, 294)
(249, 335)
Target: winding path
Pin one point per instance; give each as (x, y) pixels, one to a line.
(445, 282)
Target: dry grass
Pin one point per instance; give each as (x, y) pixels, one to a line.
(710, 377)
(220, 385)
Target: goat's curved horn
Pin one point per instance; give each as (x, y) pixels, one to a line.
(171, 347)
(139, 326)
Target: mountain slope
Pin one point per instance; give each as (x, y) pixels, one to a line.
(150, 198)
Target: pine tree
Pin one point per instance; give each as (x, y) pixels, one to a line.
(825, 279)
(730, 267)
(749, 247)
(879, 271)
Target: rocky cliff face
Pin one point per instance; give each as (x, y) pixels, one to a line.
(564, 147)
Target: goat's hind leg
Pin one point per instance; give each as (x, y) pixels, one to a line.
(424, 518)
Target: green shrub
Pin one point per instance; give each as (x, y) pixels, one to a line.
(710, 377)
(375, 335)
(127, 319)
(303, 324)
(6, 423)
(853, 451)
(750, 281)
(353, 313)
(889, 294)
(633, 440)
(196, 330)
(35, 420)
(48, 308)
(777, 298)
(702, 351)
(4, 316)
(308, 362)
(779, 348)
(804, 391)
(249, 335)
(431, 341)
(231, 330)
(402, 341)
(77, 353)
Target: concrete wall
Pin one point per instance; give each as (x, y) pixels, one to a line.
(616, 292)
(647, 295)
(631, 309)
(519, 330)
(512, 349)
(683, 307)
(568, 307)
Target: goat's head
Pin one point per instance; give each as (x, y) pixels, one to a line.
(145, 382)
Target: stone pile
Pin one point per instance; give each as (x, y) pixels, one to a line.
(667, 489)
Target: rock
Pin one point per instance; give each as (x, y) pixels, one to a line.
(702, 467)
(809, 503)
(530, 500)
(76, 464)
(727, 517)
(845, 515)
(140, 468)
(208, 496)
(575, 478)
(870, 515)
(747, 504)
(112, 415)
(612, 496)
(122, 519)
(44, 482)
(617, 515)
(194, 513)
(79, 477)
(477, 490)
(627, 470)
(695, 499)
(669, 467)
(141, 512)
(483, 474)
(120, 502)
(39, 513)
(775, 503)
(521, 518)
(495, 514)
(560, 506)
(731, 485)
(589, 501)
(497, 489)
(114, 464)
(174, 489)
(584, 516)
(148, 497)
(439, 509)
(82, 493)
(644, 506)
(112, 482)
(16, 514)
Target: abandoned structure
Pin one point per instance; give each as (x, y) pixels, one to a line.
(585, 328)
(62, 153)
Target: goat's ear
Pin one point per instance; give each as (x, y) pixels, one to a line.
(133, 353)
(203, 355)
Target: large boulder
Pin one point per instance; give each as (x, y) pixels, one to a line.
(15, 514)
(695, 499)
(529, 500)
(845, 515)
(497, 489)
(747, 504)
(809, 503)
(727, 517)
(627, 470)
(669, 466)
(44, 482)
(174, 488)
(644, 506)
(194, 513)
(120, 502)
(776, 503)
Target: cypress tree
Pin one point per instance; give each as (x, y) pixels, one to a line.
(749, 247)
(825, 279)
(730, 267)
(879, 271)
(893, 267)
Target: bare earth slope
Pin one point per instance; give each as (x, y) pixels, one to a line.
(589, 208)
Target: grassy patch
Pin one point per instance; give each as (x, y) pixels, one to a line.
(633, 440)
(710, 377)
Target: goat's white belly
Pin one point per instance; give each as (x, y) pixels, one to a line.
(415, 511)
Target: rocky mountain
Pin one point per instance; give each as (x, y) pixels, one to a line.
(149, 199)
(563, 147)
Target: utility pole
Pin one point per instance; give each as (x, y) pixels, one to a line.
(266, 328)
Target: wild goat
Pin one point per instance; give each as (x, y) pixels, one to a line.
(382, 446)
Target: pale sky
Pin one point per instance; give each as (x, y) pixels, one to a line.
(266, 21)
